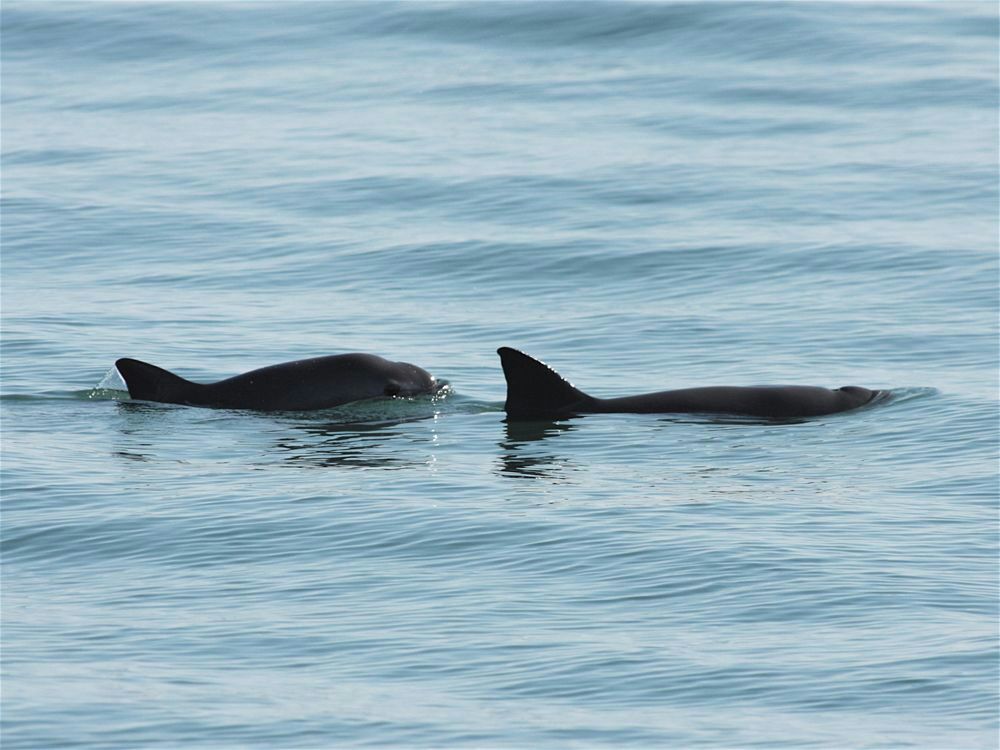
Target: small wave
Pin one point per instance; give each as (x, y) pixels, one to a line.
(902, 395)
(89, 394)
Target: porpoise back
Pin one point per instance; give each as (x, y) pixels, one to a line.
(536, 391)
(302, 385)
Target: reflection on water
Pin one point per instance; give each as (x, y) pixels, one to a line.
(733, 420)
(520, 455)
(383, 445)
(363, 435)
(369, 434)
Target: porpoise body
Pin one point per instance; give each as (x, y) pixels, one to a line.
(536, 391)
(302, 385)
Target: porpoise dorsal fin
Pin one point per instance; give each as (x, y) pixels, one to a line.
(151, 383)
(535, 390)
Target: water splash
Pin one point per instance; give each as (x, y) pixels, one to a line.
(111, 387)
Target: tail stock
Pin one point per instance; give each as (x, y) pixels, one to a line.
(535, 390)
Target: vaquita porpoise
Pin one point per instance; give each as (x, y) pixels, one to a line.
(536, 391)
(302, 385)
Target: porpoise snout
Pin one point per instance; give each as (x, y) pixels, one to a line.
(416, 380)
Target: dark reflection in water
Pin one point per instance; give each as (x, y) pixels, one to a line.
(383, 445)
(137, 446)
(144, 407)
(730, 420)
(361, 435)
(521, 457)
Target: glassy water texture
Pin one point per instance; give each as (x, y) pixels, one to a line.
(645, 196)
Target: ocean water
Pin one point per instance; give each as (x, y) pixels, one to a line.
(645, 196)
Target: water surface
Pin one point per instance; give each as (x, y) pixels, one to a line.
(643, 195)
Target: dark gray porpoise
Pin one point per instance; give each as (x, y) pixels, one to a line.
(536, 391)
(302, 385)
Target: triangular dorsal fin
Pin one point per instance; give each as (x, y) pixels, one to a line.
(535, 390)
(151, 383)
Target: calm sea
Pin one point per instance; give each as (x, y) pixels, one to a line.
(645, 196)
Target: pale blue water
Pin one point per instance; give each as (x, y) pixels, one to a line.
(645, 196)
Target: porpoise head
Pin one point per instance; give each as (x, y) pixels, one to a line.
(858, 396)
(410, 380)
